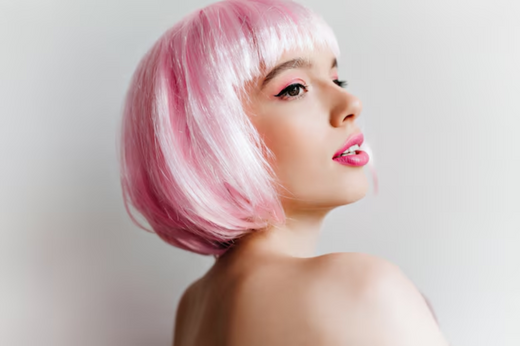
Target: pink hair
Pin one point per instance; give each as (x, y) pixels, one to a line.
(191, 161)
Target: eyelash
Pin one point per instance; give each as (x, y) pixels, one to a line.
(341, 83)
(284, 92)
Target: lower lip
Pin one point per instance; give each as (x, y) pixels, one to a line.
(360, 159)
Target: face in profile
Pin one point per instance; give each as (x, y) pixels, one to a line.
(305, 116)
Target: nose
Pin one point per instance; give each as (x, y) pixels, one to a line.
(345, 108)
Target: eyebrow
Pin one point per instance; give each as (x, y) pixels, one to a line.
(293, 63)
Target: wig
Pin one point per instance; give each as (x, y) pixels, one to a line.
(191, 162)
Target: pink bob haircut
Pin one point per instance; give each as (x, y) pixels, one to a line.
(191, 161)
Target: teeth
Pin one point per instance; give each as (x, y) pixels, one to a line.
(351, 150)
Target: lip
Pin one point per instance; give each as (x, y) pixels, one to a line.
(356, 138)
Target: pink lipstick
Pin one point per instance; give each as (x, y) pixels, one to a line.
(355, 157)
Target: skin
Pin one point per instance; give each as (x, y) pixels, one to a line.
(270, 288)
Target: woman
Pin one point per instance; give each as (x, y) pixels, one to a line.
(238, 139)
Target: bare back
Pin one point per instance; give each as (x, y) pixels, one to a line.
(211, 311)
(279, 302)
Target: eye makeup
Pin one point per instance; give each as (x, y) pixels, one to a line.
(341, 83)
(289, 91)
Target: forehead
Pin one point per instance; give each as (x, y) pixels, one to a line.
(308, 52)
(315, 58)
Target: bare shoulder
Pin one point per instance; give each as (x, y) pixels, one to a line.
(354, 268)
(369, 293)
(335, 299)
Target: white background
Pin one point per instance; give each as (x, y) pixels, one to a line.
(440, 85)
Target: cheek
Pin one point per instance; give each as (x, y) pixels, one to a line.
(296, 146)
(298, 135)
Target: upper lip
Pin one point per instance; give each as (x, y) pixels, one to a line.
(356, 138)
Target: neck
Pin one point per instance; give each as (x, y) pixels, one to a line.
(298, 237)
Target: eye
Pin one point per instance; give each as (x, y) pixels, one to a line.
(341, 83)
(292, 91)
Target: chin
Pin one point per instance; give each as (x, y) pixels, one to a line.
(355, 190)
